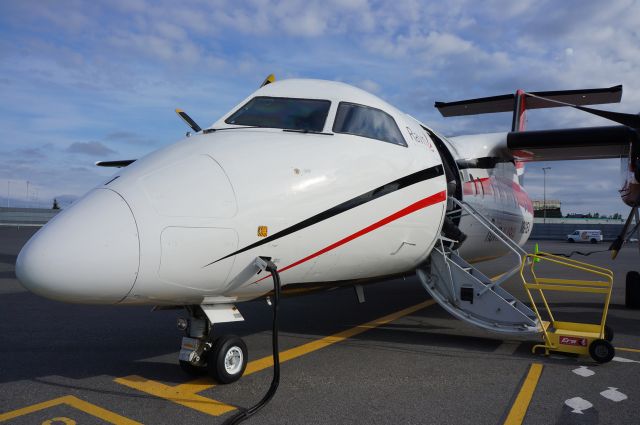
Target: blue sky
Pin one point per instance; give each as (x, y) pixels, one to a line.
(87, 81)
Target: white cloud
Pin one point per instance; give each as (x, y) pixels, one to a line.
(129, 6)
(171, 31)
(438, 44)
(368, 85)
(75, 71)
(90, 148)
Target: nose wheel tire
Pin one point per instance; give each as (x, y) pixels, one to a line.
(601, 351)
(227, 359)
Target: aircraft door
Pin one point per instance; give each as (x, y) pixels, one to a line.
(452, 174)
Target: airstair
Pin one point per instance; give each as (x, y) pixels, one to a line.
(471, 296)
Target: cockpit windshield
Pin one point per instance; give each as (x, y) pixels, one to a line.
(282, 112)
(365, 121)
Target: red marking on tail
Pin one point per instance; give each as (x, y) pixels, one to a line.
(522, 110)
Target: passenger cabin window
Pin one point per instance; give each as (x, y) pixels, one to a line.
(282, 112)
(365, 121)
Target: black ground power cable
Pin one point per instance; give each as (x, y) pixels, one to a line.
(275, 381)
(585, 254)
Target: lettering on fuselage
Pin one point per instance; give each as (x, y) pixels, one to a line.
(508, 230)
(423, 140)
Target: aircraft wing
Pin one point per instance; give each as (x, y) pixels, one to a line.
(572, 143)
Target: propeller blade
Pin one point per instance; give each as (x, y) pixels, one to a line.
(270, 79)
(617, 244)
(186, 118)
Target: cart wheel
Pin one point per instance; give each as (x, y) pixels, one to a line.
(608, 333)
(601, 351)
(632, 295)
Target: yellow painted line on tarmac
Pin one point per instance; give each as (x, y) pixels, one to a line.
(301, 350)
(186, 394)
(633, 350)
(91, 409)
(521, 404)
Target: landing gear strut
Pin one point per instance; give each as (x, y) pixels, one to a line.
(223, 358)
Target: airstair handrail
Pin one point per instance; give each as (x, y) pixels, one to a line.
(491, 227)
(442, 251)
(500, 235)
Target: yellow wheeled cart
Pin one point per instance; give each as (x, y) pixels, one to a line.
(570, 337)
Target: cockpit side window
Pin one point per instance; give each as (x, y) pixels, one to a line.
(366, 121)
(282, 112)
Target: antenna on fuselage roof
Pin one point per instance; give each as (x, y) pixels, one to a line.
(270, 79)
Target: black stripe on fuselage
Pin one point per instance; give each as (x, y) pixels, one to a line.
(487, 162)
(383, 190)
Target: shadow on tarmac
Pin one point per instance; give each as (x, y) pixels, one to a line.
(42, 338)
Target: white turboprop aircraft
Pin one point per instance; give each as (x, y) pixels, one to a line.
(329, 183)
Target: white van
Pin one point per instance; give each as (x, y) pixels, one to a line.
(593, 236)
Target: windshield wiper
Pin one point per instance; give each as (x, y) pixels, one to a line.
(289, 130)
(296, 130)
(212, 130)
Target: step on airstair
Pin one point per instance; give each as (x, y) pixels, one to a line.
(471, 296)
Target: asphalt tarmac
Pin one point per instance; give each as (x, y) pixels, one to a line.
(411, 362)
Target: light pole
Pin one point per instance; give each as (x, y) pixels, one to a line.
(544, 202)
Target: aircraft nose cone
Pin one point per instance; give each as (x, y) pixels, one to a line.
(88, 253)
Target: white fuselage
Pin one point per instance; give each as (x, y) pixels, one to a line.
(491, 185)
(185, 224)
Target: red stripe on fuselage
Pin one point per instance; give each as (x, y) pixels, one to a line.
(423, 203)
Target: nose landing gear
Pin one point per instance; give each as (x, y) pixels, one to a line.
(223, 358)
(226, 357)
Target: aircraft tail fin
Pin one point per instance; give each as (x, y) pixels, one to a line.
(519, 123)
